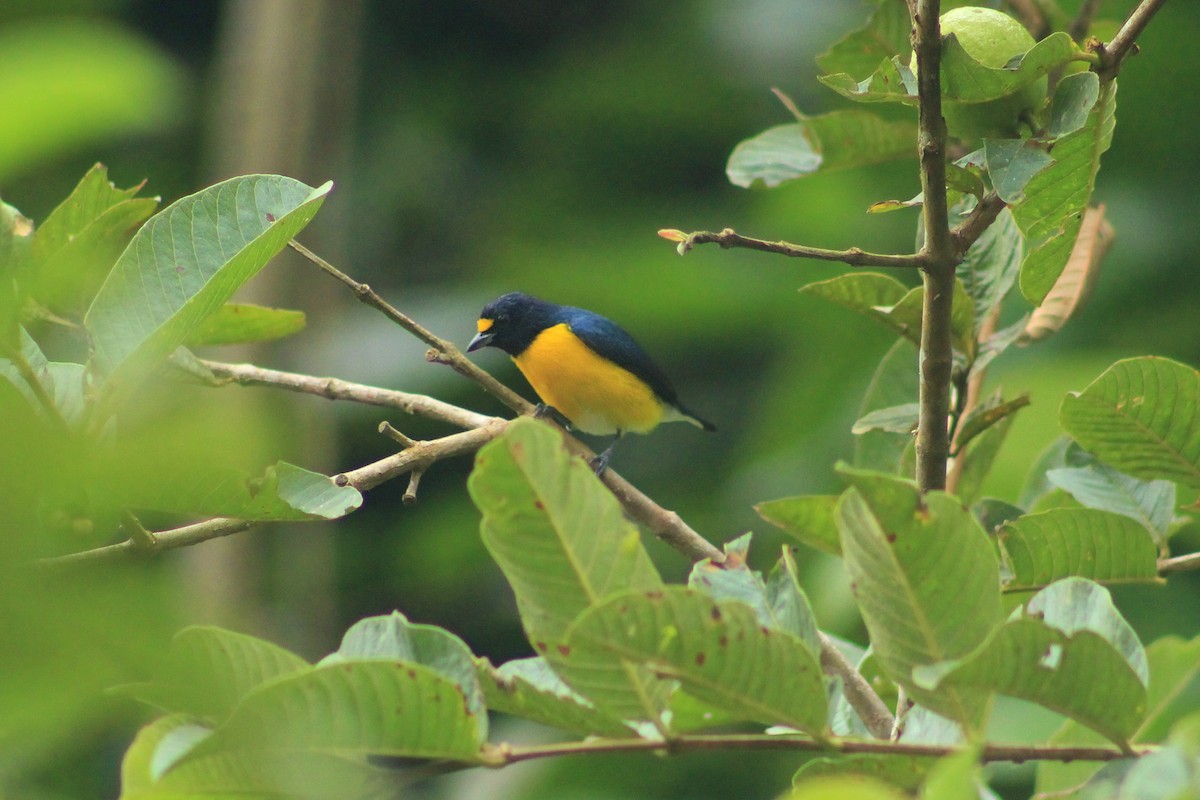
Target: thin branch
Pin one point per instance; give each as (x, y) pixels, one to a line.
(503, 755)
(939, 251)
(40, 393)
(447, 350)
(1179, 563)
(859, 694)
(854, 256)
(967, 232)
(184, 536)
(335, 389)
(1124, 44)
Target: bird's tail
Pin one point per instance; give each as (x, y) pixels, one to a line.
(699, 422)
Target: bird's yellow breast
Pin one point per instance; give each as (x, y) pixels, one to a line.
(596, 395)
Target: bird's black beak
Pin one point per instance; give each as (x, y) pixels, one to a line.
(480, 340)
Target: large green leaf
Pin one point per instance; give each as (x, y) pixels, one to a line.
(77, 244)
(979, 455)
(1066, 641)
(207, 671)
(904, 772)
(826, 142)
(1084, 542)
(361, 707)
(238, 323)
(393, 638)
(284, 492)
(1097, 485)
(564, 544)
(1051, 213)
(1174, 693)
(183, 265)
(1074, 97)
(1139, 417)
(808, 519)
(150, 772)
(719, 651)
(898, 548)
(531, 689)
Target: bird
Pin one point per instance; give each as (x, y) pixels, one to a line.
(585, 368)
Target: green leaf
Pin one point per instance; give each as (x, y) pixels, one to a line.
(902, 771)
(1174, 693)
(1097, 485)
(954, 777)
(990, 268)
(789, 606)
(720, 652)
(896, 545)
(992, 411)
(1067, 640)
(884, 35)
(1171, 772)
(1083, 542)
(894, 383)
(965, 80)
(808, 519)
(150, 770)
(979, 455)
(891, 82)
(564, 544)
(1051, 212)
(238, 323)
(1139, 417)
(394, 638)
(364, 707)
(1074, 97)
(77, 244)
(1075, 282)
(1037, 484)
(183, 265)
(1012, 163)
(859, 291)
(529, 688)
(895, 419)
(207, 671)
(837, 140)
(843, 788)
(284, 492)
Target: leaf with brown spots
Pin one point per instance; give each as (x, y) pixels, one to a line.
(728, 659)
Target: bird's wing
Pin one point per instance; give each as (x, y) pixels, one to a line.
(610, 341)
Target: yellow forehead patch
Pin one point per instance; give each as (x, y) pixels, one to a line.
(484, 324)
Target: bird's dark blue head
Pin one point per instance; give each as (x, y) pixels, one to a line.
(512, 321)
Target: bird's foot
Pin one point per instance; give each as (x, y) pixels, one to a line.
(599, 463)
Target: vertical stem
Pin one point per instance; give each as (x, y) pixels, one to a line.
(936, 359)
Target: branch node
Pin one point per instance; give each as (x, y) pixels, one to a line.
(386, 429)
(341, 479)
(414, 481)
(143, 540)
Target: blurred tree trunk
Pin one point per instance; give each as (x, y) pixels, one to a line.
(283, 89)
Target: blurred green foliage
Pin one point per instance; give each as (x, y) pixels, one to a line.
(534, 146)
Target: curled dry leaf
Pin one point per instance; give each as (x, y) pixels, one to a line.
(1075, 284)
